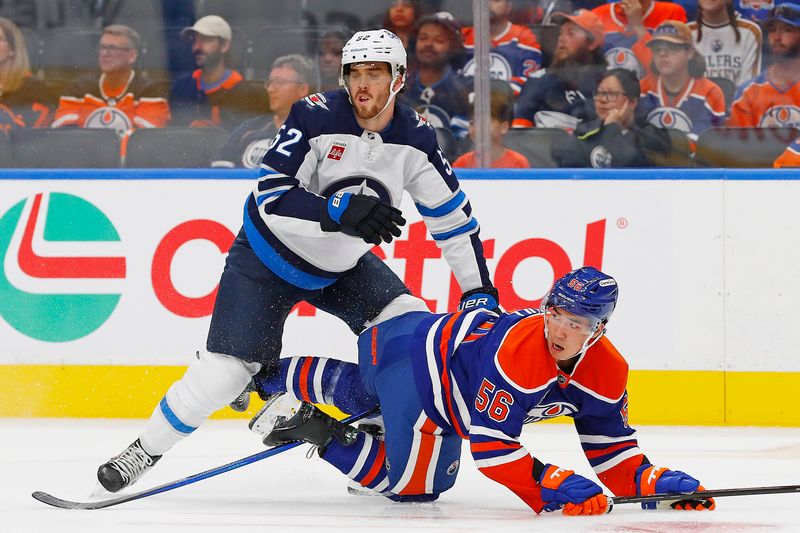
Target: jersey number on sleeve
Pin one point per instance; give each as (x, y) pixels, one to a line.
(294, 137)
(498, 404)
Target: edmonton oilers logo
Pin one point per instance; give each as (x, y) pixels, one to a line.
(624, 58)
(781, 116)
(550, 410)
(670, 118)
(254, 152)
(600, 158)
(499, 68)
(110, 118)
(716, 45)
(453, 468)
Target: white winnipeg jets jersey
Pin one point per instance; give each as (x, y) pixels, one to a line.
(321, 150)
(725, 58)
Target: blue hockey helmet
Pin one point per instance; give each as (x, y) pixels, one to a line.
(585, 292)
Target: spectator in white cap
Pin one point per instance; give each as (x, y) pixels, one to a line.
(213, 95)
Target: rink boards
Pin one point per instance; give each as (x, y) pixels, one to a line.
(108, 279)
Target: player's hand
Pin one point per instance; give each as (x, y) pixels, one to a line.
(651, 479)
(362, 216)
(576, 494)
(480, 298)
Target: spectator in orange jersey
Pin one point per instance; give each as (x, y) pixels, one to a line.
(515, 53)
(120, 99)
(790, 157)
(502, 157)
(772, 99)
(214, 94)
(628, 24)
(24, 96)
(678, 95)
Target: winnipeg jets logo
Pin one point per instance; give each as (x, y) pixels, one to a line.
(359, 185)
(316, 100)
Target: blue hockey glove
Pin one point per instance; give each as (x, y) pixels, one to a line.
(576, 494)
(362, 216)
(482, 297)
(651, 479)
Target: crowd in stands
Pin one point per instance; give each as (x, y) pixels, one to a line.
(627, 81)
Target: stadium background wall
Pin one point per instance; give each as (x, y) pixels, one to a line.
(108, 278)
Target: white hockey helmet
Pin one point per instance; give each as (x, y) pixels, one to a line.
(375, 46)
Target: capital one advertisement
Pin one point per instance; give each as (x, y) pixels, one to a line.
(125, 272)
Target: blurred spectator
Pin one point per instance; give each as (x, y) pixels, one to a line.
(26, 97)
(677, 95)
(628, 24)
(502, 157)
(290, 79)
(560, 95)
(755, 10)
(118, 99)
(515, 52)
(619, 137)
(401, 19)
(772, 99)
(790, 157)
(330, 57)
(213, 95)
(690, 7)
(434, 89)
(730, 44)
(23, 13)
(81, 13)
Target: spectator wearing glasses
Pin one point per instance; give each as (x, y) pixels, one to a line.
(289, 80)
(434, 89)
(628, 24)
(677, 95)
(214, 94)
(772, 99)
(25, 100)
(731, 45)
(120, 98)
(560, 95)
(620, 137)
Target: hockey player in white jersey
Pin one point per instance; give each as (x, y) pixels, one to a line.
(330, 189)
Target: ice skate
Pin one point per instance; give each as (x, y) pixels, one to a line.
(242, 402)
(124, 469)
(286, 419)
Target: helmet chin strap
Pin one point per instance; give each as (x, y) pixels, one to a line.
(392, 93)
(588, 343)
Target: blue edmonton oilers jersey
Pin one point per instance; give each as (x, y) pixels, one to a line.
(321, 150)
(485, 376)
(445, 104)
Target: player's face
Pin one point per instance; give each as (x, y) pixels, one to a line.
(784, 39)
(572, 41)
(671, 58)
(566, 333)
(609, 96)
(369, 88)
(284, 88)
(208, 51)
(330, 57)
(115, 53)
(433, 45)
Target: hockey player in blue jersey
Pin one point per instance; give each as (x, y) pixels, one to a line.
(330, 188)
(479, 376)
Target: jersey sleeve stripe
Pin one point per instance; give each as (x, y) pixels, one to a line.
(597, 395)
(594, 454)
(489, 432)
(611, 463)
(520, 454)
(493, 445)
(444, 209)
(603, 439)
(470, 226)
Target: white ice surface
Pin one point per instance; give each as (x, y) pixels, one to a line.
(288, 492)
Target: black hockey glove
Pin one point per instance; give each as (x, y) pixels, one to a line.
(482, 297)
(362, 216)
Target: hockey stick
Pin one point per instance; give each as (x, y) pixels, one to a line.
(746, 491)
(194, 478)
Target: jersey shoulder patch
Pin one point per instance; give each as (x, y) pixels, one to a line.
(603, 371)
(522, 357)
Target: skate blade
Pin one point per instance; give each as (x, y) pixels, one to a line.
(99, 491)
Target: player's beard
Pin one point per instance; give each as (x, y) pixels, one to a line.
(373, 107)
